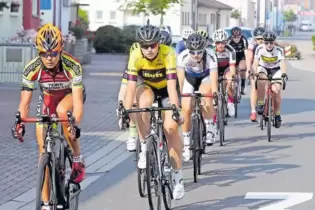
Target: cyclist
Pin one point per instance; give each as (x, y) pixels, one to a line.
(155, 65)
(207, 37)
(199, 71)
(59, 76)
(258, 40)
(226, 57)
(269, 58)
(133, 132)
(240, 45)
(181, 46)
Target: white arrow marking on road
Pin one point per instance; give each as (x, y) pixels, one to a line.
(290, 199)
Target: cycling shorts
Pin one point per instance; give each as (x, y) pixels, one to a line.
(163, 93)
(192, 84)
(275, 72)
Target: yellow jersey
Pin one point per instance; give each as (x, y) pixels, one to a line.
(132, 48)
(154, 73)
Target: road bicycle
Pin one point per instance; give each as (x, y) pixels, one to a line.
(158, 168)
(64, 194)
(237, 92)
(198, 134)
(222, 109)
(267, 118)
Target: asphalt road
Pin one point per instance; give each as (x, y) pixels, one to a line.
(248, 163)
(299, 35)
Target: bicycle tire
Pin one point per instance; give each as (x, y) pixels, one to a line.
(196, 152)
(236, 100)
(152, 173)
(269, 117)
(43, 163)
(261, 121)
(140, 173)
(167, 185)
(221, 120)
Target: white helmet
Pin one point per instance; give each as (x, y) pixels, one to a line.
(186, 32)
(220, 35)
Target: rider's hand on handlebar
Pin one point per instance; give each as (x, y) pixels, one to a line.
(18, 131)
(177, 117)
(75, 132)
(215, 99)
(284, 76)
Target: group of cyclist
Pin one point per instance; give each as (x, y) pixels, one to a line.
(154, 70)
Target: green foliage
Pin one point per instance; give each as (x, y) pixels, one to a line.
(84, 17)
(155, 7)
(236, 14)
(313, 39)
(287, 33)
(289, 16)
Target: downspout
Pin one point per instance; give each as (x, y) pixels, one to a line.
(60, 14)
(54, 12)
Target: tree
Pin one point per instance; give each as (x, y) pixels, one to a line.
(83, 16)
(155, 7)
(236, 14)
(289, 16)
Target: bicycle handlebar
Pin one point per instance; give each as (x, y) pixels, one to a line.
(270, 79)
(206, 95)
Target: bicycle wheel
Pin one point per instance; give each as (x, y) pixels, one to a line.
(196, 140)
(140, 173)
(269, 117)
(44, 164)
(153, 174)
(221, 120)
(236, 94)
(167, 183)
(261, 121)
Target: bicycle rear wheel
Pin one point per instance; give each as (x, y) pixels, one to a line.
(261, 121)
(269, 117)
(140, 173)
(167, 180)
(196, 147)
(44, 167)
(236, 97)
(221, 120)
(153, 175)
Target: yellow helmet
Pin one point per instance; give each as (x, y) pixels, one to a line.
(203, 33)
(49, 38)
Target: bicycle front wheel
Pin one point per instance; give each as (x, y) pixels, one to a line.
(269, 117)
(196, 147)
(140, 173)
(153, 175)
(167, 183)
(43, 168)
(221, 120)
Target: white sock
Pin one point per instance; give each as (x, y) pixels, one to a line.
(209, 124)
(253, 110)
(186, 136)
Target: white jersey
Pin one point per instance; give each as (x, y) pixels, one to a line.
(269, 60)
(198, 69)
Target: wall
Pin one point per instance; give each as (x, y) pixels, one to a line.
(63, 17)
(31, 18)
(10, 22)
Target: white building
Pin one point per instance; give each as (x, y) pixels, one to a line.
(11, 19)
(211, 15)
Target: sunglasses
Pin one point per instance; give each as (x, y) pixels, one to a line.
(49, 54)
(196, 52)
(269, 42)
(147, 46)
(259, 39)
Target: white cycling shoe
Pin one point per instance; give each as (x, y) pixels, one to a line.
(131, 144)
(142, 162)
(179, 190)
(231, 109)
(186, 153)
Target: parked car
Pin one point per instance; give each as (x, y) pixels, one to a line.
(247, 32)
(306, 27)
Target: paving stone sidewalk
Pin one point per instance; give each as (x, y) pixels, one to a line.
(18, 161)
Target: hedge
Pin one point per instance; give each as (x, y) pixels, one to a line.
(111, 39)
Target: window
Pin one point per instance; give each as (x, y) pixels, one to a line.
(14, 8)
(112, 15)
(185, 18)
(202, 19)
(212, 19)
(218, 20)
(34, 7)
(99, 15)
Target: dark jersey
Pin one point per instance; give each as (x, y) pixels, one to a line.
(239, 47)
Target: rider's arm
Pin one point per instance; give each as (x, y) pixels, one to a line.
(171, 77)
(181, 70)
(132, 76)
(247, 56)
(77, 94)
(256, 59)
(281, 57)
(213, 65)
(232, 59)
(123, 86)
(25, 102)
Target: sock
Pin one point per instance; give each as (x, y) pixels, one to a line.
(77, 159)
(253, 110)
(133, 132)
(186, 136)
(261, 103)
(230, 99)
(214, 118)
(277, 113)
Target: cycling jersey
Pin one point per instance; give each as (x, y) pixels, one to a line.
(252, 47)
(69, 75)
(226, 58)
(239, 48)
(125, 75)
(180, 47)
(197, 69)
(269, 59)
(156, 72)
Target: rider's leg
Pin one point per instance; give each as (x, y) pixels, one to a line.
(230, 91)
(276, 89)
(242, 72)
(208, 111)
(261, 89)
(253, 101)
(187, 111)
(175, 151)
(145, 98)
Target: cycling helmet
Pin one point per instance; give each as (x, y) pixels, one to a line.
(236, 31)
(269, 36)
(49, 38)
(220, 35)
(258, 32)
(186, 32)
(166, 38)
(134, 46)
(148, 34)
(196, 42)
(204, 34)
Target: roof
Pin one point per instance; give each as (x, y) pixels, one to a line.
(214, 4)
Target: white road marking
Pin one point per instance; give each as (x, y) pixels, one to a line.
(289, 199)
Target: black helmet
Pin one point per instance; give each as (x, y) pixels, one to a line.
(236, 31)
(269, 36)
(196, 41)
(166, 38)
(259, 31)
(148, 34)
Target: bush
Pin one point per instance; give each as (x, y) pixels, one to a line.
(110, 39)
(294, 49)
(287, 33)
(313, 40)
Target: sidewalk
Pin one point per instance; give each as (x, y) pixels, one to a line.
(102, 144)
(308, 55)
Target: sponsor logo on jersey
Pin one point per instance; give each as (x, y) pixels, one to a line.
(30, 68)
(75, 67)
(269, 60)
(55, 85)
